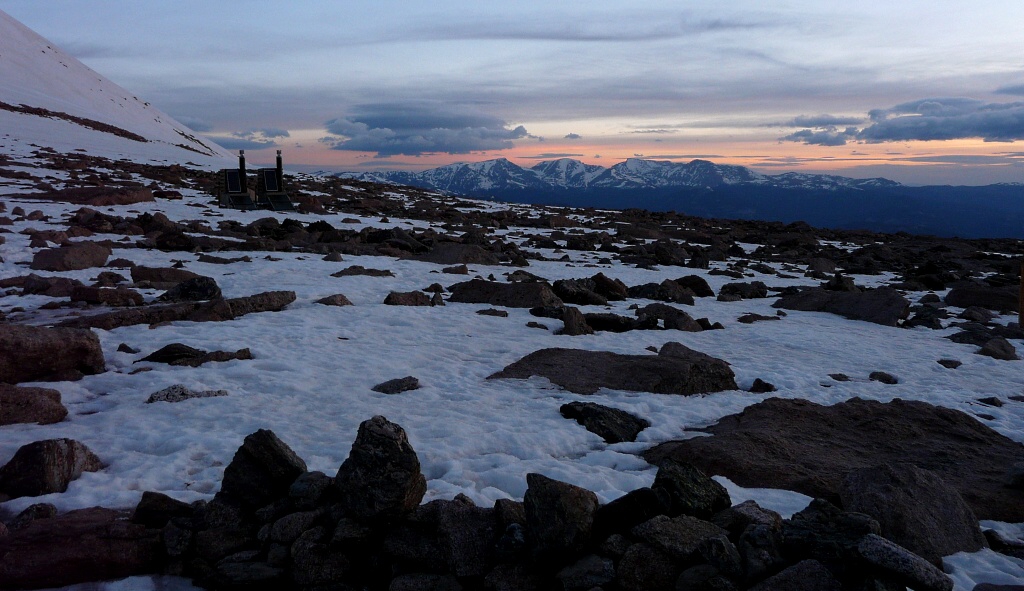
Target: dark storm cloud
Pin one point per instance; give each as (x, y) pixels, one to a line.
(572, 136)
(962, 159)
(818, 121)
(194, 123)
(829, 136)
(926, 120)
(946, 119)
(1016, 89)
(414, 129)
(236, 143)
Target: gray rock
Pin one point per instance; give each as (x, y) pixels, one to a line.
(179, 393)
(902, 565)
(509, 295)
(467, 535)
(999, 348)
(915, 508)
(194, 289)
(381, 478)
(679, 537)
(335, 300)
(559, 517)
(586, 573)
(999, 299)
(397, 385)
(883, 305)
(44, 467)
(574, 322)
(735, 519)
(746, 290)
(806, 575)
(644, 568)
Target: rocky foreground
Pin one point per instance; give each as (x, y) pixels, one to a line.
(898, 485)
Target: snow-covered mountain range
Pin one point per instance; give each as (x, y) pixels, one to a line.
(48, 98)
(502, 175)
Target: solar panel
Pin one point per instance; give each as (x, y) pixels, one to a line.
(270, 179)
(234, 182)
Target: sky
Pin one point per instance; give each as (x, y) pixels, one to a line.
(922, 92)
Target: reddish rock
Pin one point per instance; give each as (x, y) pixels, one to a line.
(45, 467)
(117, 297)
(77, 547)
(35, 353)
(71, 257)
(161, 277)
(30, 405)
(212, 311)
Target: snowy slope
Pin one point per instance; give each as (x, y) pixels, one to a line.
(61, 103)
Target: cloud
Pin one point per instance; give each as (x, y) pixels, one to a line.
(829, 136)
(235, 143)
(652, 131)
(1016, 89)
(267, 132)
(818, 121)
(946, 119)
(572, 136)
(414, 129)
(551, 156)
(195, 124)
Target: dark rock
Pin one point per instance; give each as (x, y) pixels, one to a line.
(357, 270)
(493, 312)
(32, 513)
(903, 566)
(688, 490)
(703, 577)
(335, 300)
(411, 298)
(454, 253)
(467, 535)
(977, 314)
(261, 472)
(578, 291)
(45, 467)
(424, 582)
(752, 318)
(397, 385)
(173, 352)
(629, 510)
(999, 348)
(826, 533)
(381, 478)
(991, 401)
(762, 387)
(673, 318)
(840, 282)
(679, 537)
(746, 290)
(195, 289)
(644, 568)
(55, 287)
(559, 518)
(612, 289)
(666, 291)
(839, 377)
(998, 299)
(885, 378)
(821, 265)
(107, 296)
(532, 324)
(161, 277)
(509, 295)
(806, 575)
(180, 393)
(950, 363)
(611, 424)
(915, 508)
(881, 306)
(30, 405)
(71, 257)
(586, 573)
(607, 322)
(212, 311)
(697, 284)
(156, 509)
(574, 322)
(755, 448)
(513, 577)
(675, 370)
(737, 518)
(80, 546)
(719, 552)
(35, 353)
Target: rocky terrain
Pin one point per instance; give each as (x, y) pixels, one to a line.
(179, 380)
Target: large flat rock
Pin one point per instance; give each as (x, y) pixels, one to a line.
(809, 448)
(674, 370)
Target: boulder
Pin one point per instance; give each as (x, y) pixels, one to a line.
(999, 348)
(55, 287)
(757, 447)
(899, 564)
(611, 424)
(381, 478)
(195, 289)
(508, 295)
(666, 291)
(80, 546)
(358, 270)
(409, 298)
(688, 490)
(35, 353)
(397, 385)
(559, 518)
(806, 575)
(467, 535)
(30, 405)
(71, 257)
(883, 305)
(915, 508)
(335, 300)
(161, 277)
(674, 370)
(643, 568)
(747, 290)
(455, 253)
(698, 285)
(998, 299)
(45, 467)
(673, 318)
(183, 355)
(574, 322)
(262, 470)
(612, 289)
(212, 311)
(680, 537)
(107, 296)
(179, 393)
(578, 291)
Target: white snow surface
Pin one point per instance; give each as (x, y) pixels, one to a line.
(36, 73)
(314, 365)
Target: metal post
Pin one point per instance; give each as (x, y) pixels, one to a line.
(280, 172)
(241, 170)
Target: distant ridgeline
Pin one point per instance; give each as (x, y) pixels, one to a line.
(707, 189)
